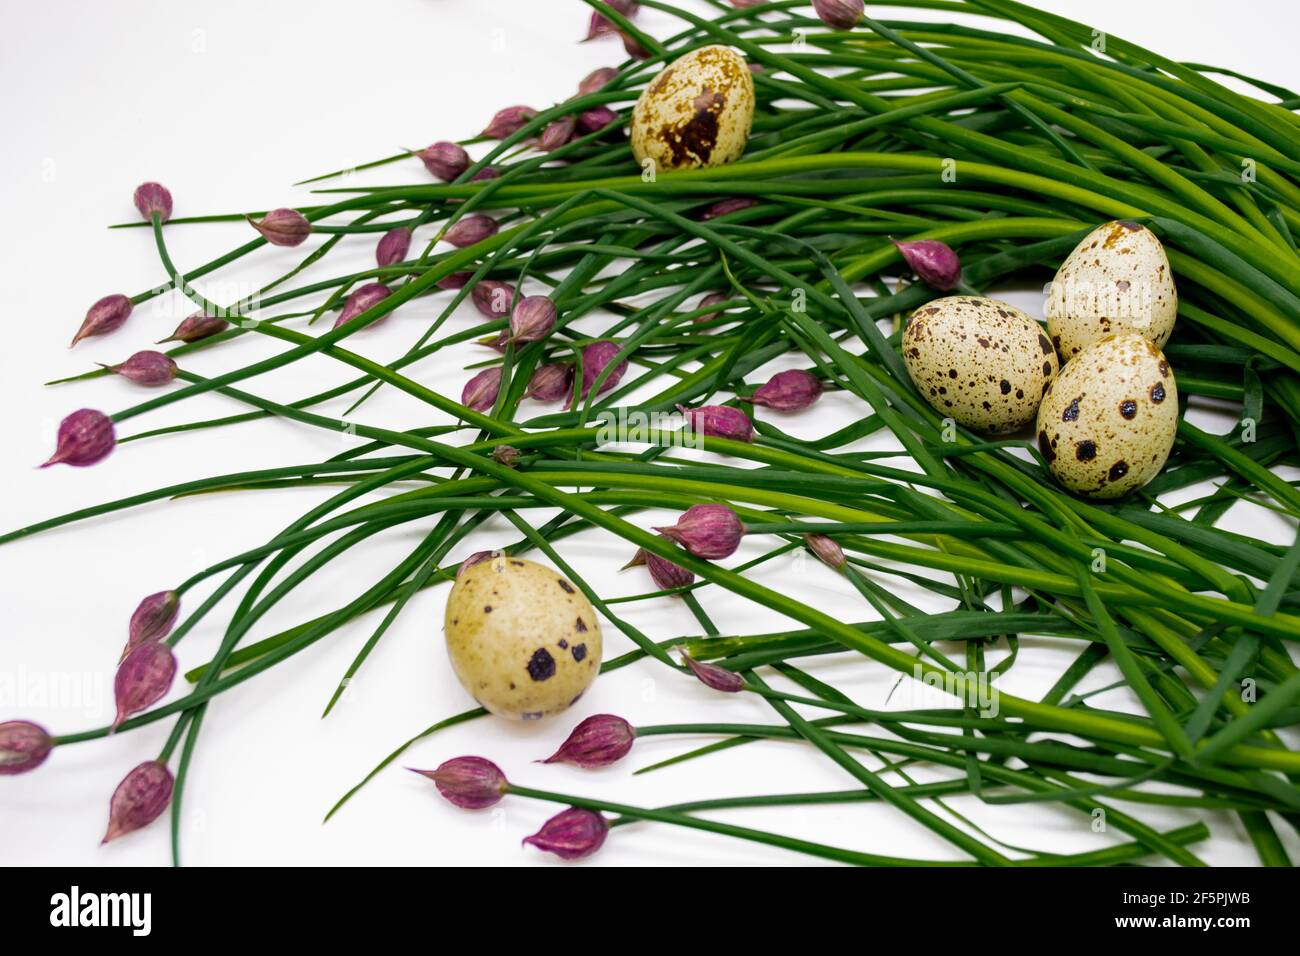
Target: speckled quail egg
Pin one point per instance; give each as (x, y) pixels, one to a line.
(523, 641)
(1117, 280)
(1107, 423)
(981, 362)
(696, 112)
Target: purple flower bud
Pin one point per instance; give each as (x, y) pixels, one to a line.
(789, 391)
(595, 357)
(633, 48)
(471, 783)
(444, 160)
(139, 799)
(713, 298)
(487, 172)
(598, 741)
(719, 421)
(106, 315)
(153, 198)
(362, 300)
(840, 14)
(23, 747)
(493, 298)
(711, 675)
(746, 4)
(724, 206)
(478, 557)
(598, 117)
(557, 133)
(508, 121)
(571, 834)
(599, 26)
(454, 281)
(471, 229)
(935, 263)
(826, 549)
(666, 575)
(152, 620)
(197, 326)
(707, 531)
(146, 368)
(596, 80)
(551, 383)
(497, 343)
(393, 246)
(143, 678)
(282, 227)
(533, 319)
(480, 392)
(85, 437)
(507, 455)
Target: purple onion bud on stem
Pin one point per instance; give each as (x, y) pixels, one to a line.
(362, 300)
(487, 172)
(557, 133)
(152, 620)
(597, 118)
(85, 437)
(146, 368)
(508, 121)
(551, 383)
(139, 799)
(826, 549)
(153, 198)
(724, 206)
(143, 677)
(197, 326)
(533, 319)
(444, 160)
(471, 783)
(595, 357)
(707, 531)
(935, 263)
(478, 557)
(393, 246)
(23, 747)
(600, 26)
(789, 391)
(107, 315)
(282, 227)
(598, 741)
(719, 421)
(711, 675)
(666, 575)
(571, 834)
(507, 455)
(493, 298)
(480, 392)
(596, 80)
(713, 298)
(840, 14)
(471, 229)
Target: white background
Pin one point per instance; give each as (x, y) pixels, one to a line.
(228, 103)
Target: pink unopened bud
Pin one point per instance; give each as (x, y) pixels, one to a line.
(146, 368)
(197, 326)
(152, 620)
(487, 172)
(470, 230)
(393, 246)
(480, 392)
(826, 549)
(139, 799)
(935, 263)
(746, 4)
(707, 531)
(533, 319)
(478, 557)
(571, 834)
(724, 206)
(711, 675)
(493, 298)
(85, 437)
(598, 741)
(455, 281)
(719, 421)
(600, 26)
(508, 121)
(840, 14)
(789, 391)
(598, 117)
(633, 47)
(471, 783)
(362, 300)
(23, 747)
(282, 227)
(153, 198)
(713, 298)
(666, 575)
(557, 133)
(143, 678)
(596, 80)
(595, 357)
(507, 455)
(444, 160)
(106, 315)
(551, 383)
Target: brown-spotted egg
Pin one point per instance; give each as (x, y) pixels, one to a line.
(981, 362)
(696, 112)
(1116, 280)
(1107, 423)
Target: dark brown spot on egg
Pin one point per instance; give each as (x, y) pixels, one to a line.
(1157, 393)
(541, 666)
(563, 645)
(487, 608)
(952, 373)
(579, 652)
(1047, 370)
(1005, 386)
(565, 586)
(1045, 446)
(1085, 450)
(1128, 408)
(698, 136)
(579, 626)
(1118, 470)
(1071, 413)
(1164, 368)
(1043, 344)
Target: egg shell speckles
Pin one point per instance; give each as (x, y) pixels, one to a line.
(523, 641)
(1107, 424)
(981, 362)
(1117, 280)
(696, 112)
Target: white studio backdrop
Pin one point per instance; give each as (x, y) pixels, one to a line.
(228, 103)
